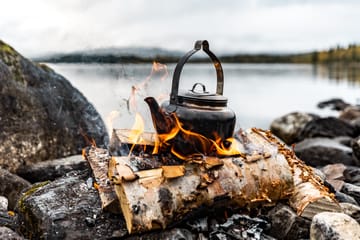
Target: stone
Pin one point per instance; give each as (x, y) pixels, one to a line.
(352, 175)
(66, 208)
(295, 228)
(173, 234)
(52, 169)
(344, 198)
(355, 145)
(7, 234)
(334, 171)
(330, 225)
(323, 151)
(42, 115)
(11, 187)
(288, 127)
(3, 203)
(329, 127)
(352, 210)
(334, 104)
(334, 175)
(352, 190)
(350, 113)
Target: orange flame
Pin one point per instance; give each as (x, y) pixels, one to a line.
(137, 130)
(204, 145)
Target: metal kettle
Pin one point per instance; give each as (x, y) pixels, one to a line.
(198, 111)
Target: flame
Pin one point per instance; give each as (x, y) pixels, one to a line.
(204, 145)
(136, 132)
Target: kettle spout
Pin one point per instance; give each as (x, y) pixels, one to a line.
(163, 122)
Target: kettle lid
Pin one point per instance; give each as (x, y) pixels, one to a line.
(203, 98)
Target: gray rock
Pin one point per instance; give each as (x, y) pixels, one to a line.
(7, 234)
(352, 190)
(66, 209)
(355, 145)
(42, 115)
(329, 127)
(173, 234)
(344, 198)
(352, 210)
(352, 175)
(3, 203)
(288, 127)
(323, 151)
(334, 104)
(52, 169)
(350, 113)
(329, 225)
(295, 228)
(11, 187)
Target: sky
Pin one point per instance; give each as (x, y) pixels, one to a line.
(39, 27)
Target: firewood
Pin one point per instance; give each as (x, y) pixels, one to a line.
(99, 161)
(153, 195)
(310, 195)
(154, 200)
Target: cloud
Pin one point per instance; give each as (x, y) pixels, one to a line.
(41, 26)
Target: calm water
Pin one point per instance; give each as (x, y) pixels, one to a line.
(258, 93)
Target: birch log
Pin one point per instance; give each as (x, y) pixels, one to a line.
(153, 199)
(310, 196)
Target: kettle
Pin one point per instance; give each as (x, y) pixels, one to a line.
(197, 110)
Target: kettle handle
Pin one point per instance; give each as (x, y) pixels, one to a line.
(176, 78)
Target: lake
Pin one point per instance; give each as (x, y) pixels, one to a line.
(257, 93)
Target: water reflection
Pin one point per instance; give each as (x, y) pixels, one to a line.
(339, 73)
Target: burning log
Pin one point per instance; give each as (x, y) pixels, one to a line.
(310, 196)
(154, 198)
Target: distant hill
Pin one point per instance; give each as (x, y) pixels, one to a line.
(114, 55)
(349, 54)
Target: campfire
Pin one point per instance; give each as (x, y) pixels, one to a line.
(195, 160)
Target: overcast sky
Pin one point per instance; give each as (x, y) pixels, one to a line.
(37, 27)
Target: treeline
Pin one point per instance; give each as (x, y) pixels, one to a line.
(349, 54)
(346, 55)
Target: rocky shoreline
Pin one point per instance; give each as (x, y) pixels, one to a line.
(48, 190)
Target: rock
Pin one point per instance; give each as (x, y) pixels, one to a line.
(329, 225)
(7, 234)
(334, 171)
(329, 127)
(352, 175)
(11, 187)
(323, 151)
(355, 145)
(334, 175)
(350, 113)
(295, 228)
(52, 169)
(3, 203)
(352, 190)
(344, 198)
(288, 127)
(42, 115)
(173, 234)
(334, 104)
(9, 220)
(352, 210)
(66, 208)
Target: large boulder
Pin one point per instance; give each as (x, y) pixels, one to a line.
(323, 151)
(330, 127)
(289, 126)
(42, 115)
(67, 208)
